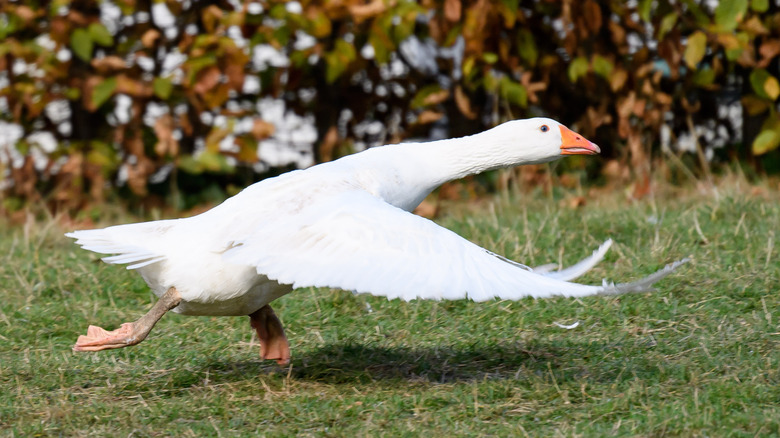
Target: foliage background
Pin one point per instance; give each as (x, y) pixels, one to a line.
(150, 99)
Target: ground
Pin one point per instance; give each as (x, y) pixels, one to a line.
(700, 357)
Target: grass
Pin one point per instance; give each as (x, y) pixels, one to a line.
(698, 358)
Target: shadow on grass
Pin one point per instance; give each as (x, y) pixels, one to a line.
(356, 364)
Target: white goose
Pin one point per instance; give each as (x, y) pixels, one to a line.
(344, 224)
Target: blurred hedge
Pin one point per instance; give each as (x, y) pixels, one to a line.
(152, 96)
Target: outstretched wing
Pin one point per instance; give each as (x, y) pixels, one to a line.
(356, 241)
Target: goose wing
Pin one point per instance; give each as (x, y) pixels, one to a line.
(355, 241)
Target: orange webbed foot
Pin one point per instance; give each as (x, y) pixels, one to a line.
(98, 338)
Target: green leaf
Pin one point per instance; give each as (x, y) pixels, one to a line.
(81, 43)
(695, 49)
(667, 24)
(338, 60)
(729, 13)
(162, 88)
(644, 9)
(764, 84)
(578, 68)
(103, 91)
(704, 76)
(759, 5)
(100, 35)
(526, 46)
(602, 66)
(102, 154)
(767, 140)
(490, 57)
(213, 162)
(513, 92)
(188, 164)
(702, 19)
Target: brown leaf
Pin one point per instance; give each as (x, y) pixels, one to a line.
(364, 11)
(185, 124)
(108, 64)
(25, 13)
(576, 202)
(88, 89)
(452, 10)
(436, 97)
(662, 98)
(768, 50)
(618, 79)
(234, 72)
(463, 103)
(592, 12)
(211, 16)
(135, 146)
(532, 87)
(149, 37)
(614, 170)
(166, 143)
(754, 26)
(428, 116)
(133, 87)
(426, 209)
(618, 35)
(754, 105)
(329, 144)
(137, 175)
(208, 78)
(597, 117)
(262, 129)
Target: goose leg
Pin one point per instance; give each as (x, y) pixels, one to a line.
(273, 342)
(130, 333)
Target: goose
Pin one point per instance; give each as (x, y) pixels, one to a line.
(344, 224)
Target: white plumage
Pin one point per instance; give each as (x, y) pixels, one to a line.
(347, 224)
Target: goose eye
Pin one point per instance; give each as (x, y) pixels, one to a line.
(544, 128)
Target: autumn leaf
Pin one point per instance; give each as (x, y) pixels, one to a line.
(463, 103)
(262, 129)
(149, 37)
(767, 140)
(764, 84)
(428, 116)
(695, 49)
(452, 10)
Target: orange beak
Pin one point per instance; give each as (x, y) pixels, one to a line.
(575, 144)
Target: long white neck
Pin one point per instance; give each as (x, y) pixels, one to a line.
(404, 174)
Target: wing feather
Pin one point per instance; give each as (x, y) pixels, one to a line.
(355, 241)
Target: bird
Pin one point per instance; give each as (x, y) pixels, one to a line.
(345, 224)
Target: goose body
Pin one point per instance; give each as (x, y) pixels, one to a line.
(344, 224)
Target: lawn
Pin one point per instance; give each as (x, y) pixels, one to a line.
(700, 357)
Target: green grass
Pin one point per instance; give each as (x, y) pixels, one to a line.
(700, 357)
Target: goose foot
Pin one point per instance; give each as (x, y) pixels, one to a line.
(129, 333)
(273, 342)
(98, 338)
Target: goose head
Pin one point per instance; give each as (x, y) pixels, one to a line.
(539, 140)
